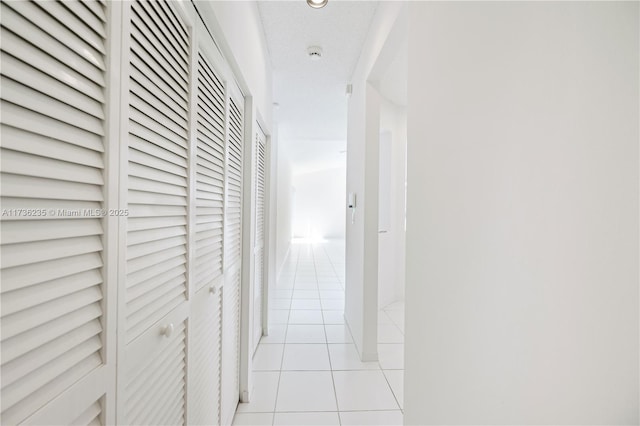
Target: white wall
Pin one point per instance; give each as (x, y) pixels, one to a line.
(239, 32)
(361, 292)
(391, 244)
(284, 214)
(319, 202)
(522, 232)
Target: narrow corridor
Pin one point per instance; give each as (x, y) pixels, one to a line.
(307, 371)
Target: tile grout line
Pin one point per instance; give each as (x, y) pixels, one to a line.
(275, 404)
(390, 387)
(333, 381)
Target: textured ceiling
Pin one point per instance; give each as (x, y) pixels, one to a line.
(311, 94)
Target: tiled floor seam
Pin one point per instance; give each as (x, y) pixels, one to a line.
(324, 325)
(286, 331)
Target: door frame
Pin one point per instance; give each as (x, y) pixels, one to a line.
(254, 121)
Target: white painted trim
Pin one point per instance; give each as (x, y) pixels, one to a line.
(397, 35)
(192, 25)
(112, 201)
(123, 84)
(269, 251)
(248, 267)
(370, 273)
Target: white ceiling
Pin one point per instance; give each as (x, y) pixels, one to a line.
(312, 113)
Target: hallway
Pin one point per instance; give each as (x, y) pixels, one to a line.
(307, 371)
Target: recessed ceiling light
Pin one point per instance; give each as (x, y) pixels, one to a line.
(317, 4)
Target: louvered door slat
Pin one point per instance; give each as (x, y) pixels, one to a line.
(15, 231)
(31, 362)
(56, 386)
(95, 8)
(152, 155)
(50, 86)
(230, 344)
(210, 131)
(210, 175)
(234, 182)
(157, 99)
(137, 224)
(156, 186)
(39, 378)
(53, 126)
(213, 103)
(93, 36)
(141, 211)
(42, 43)
(154, 392)
(35, 165)
(33, 339)
(209, 169)
(29, 297)
(14, 185)
(151, 55)
(91, 416)
(46, 147)
(258, 251)
(148, 278)
(88, 14)
(159, 301)
(214, 152)
(207, 357)
(83, 43)
(215, 88)
(144, 19)
(175, 27)
(145, 56)
(159, 92)
(41, 61)
(38, 102)
(149, 115)
(144, 172)
(21, 118)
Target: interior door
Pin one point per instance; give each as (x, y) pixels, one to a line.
(154, 324)
(232, 256)
(258, 251)
(54, 293)
(205, 367)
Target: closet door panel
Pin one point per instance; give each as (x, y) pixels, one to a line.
(157, 184)
(206, 361)
(155, 312)
(54, 73)
(258, 251)
(232, 258)
(230, 344)
(210, 164)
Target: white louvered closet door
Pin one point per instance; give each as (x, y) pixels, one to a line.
(258, 284)
(157, 193)
(54, 72)
(206, 361)
(233, 250)
(206, 368)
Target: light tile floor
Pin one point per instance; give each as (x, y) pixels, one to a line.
(307, 371)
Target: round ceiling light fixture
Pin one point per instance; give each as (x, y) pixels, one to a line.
(314, 52)
(317, 4)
